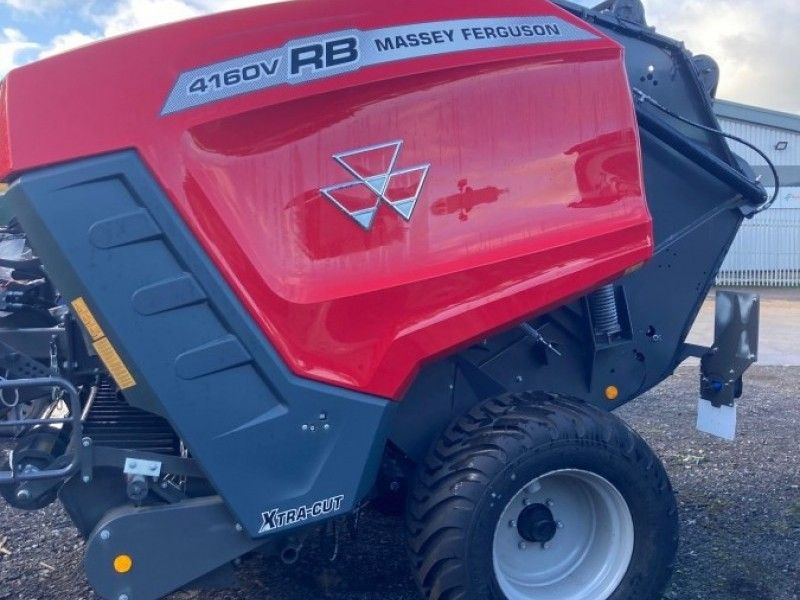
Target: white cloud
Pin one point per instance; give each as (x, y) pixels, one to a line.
(66, 41)
(36, 7)
(221, 5)
(12, 44)
(130, 15)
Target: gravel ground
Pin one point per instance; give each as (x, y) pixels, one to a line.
(740, 516)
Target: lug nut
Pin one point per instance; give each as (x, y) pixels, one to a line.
(546, 545)
(105, 534)
(512, 523)
(559, 524)
(548, 502)
(523, 546)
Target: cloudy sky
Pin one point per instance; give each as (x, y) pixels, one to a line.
(757, 42)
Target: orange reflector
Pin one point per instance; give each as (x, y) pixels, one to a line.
(612, 392)
(634, 268)
(123, 563)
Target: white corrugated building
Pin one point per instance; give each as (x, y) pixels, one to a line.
(767, 249)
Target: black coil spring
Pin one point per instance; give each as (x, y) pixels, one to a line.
(603, 306)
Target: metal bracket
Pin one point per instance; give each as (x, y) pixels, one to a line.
(137, 466)
(735, 348)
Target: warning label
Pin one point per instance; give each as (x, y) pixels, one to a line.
(105, 350)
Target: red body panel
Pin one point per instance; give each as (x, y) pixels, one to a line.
(534, 193)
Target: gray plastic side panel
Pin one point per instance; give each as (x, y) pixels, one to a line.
(107, 232)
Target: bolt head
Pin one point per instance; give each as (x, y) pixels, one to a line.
(559, 524)
(238, 527)
(546, 546)
(523, 546)
(313, 428)
(23, 495)
(86, 479)
(304, 427)
(549, 502)
(133, 464)
(123, 597)
(327, 426)
(512, 523)
(323, 416)
(519, 378)
(86, 442)
(526, 501)
(105, 534)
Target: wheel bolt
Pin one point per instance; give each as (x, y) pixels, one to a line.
(523, 546)
(512, 523)
(549, 502)
(526, 501)
(546, 545)
(559, 524)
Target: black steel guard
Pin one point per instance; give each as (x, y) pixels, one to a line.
(74, 419)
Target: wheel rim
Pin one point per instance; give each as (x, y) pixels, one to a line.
(582, 554)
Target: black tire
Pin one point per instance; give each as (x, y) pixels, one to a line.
(493, 452)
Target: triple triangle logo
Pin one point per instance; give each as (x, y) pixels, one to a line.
(377, 180)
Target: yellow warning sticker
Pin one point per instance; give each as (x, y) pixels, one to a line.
(105, 350)
(114, 364)
(87, 318)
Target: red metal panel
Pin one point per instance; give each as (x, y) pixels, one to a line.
(533, 195)
(5, 145)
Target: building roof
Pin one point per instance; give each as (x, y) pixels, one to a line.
(758, 115)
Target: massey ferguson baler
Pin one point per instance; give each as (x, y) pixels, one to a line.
(313, 255)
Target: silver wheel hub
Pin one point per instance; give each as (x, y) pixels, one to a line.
(567, 535)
